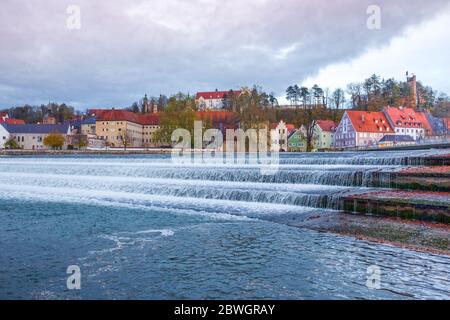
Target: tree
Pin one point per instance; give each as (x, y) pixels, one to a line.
(126, 138)
(54, 140)
(134, 107)
(355, 91)
(162, 102)
(338, 97)
(171, 120)
(426, 96)
(305, 96)
(441, 108)
(12, 144)
(318, 95)
(296, 92)
(79, 141)
(290, 94)
(309, 122)
(273, 100)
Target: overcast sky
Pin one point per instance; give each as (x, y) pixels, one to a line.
(126, 48)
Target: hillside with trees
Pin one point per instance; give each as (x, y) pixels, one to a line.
(34, 114)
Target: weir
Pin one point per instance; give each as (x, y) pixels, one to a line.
(351, 182)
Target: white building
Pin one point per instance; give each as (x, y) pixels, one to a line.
(213, 100)
(31, 136)
(4, 136)
(279, 133)
(406, 121)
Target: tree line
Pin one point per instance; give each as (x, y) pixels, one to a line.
(34, 114)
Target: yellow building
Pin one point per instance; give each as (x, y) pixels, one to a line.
(120, 128)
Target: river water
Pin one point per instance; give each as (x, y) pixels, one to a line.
(141, 227)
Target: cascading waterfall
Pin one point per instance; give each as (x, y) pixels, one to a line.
(307, 180)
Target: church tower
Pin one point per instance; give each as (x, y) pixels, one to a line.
(146, 105)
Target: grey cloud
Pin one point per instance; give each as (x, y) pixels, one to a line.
(127, 48)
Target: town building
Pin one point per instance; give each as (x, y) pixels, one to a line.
(279, 133)
(214, 100)
(121, 128)
(150, 127)
(31, 136)
(297, 141)
(48, 119)
(406, 121)
(361, 129)
(324, 134)
(4, 136)
(439, 126)
(87, 126)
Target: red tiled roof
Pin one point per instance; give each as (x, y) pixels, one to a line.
(217, 115)
(118, 115)
(327, 125)
(290, 127)
(123, 115)
(14, 121)
(4, 118)
(215, 94)
(407, 118)
(366, 121)
(222, 119)
(97, 112)
(149, 119)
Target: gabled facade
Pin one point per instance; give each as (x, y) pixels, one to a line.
(406, 121)
(324, 134)
(297, 141)
(279, 133)
(361, 129)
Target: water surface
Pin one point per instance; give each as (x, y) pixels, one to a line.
(140, 227)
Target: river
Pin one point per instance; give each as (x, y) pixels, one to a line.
(141, 227)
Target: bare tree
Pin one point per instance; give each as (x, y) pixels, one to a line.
(338, 97)
(127, 139)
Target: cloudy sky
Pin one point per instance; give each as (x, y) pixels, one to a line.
(125, 48)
